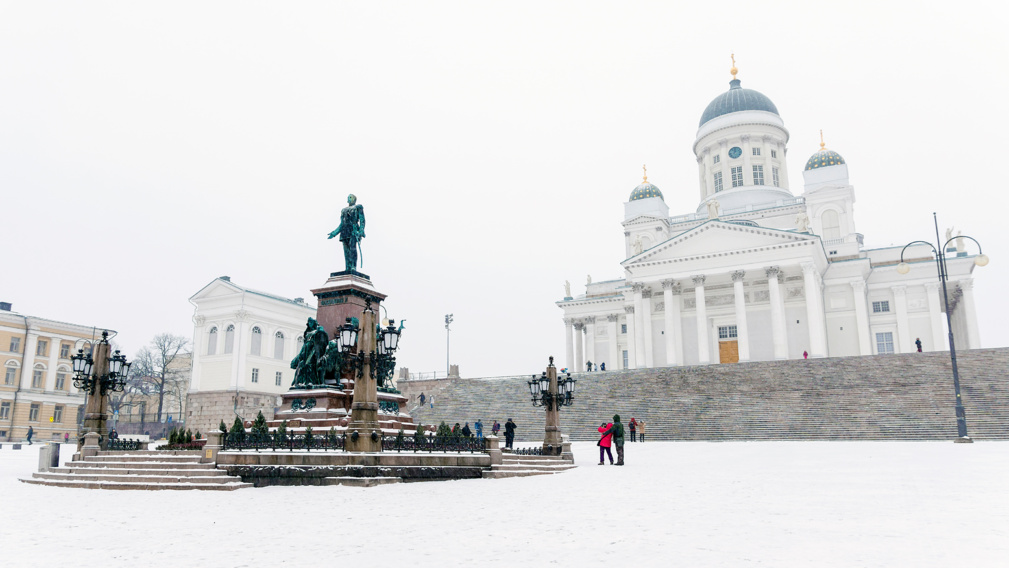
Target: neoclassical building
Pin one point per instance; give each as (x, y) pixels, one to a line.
(758, 272)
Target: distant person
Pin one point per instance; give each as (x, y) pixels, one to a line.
(479, 429)
(495, 428)
(113, 435)
(456, 429)
(509, 433)
(605, 441)
(617, 429)
(634, 430)
(66, 437)
(31, 431)
(805, 354)
(917, 341)
(431, 401)
(641, 430)
(466, 432)
(602, 366)
(422, 399)
(589, 366)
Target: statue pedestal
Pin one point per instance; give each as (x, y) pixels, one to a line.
(344, 295)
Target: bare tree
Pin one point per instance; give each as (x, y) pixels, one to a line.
(153, 366)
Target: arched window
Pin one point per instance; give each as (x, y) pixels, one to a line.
(38, 375)
(229, 339)
(278, 345)
(831, 225)
(212, 341)
(257, 341)
(11, 373)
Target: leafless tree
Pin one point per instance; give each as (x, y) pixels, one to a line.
(153, 366)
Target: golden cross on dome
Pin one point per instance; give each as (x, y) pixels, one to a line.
(645, 171)
(733, 70)
(821, 139)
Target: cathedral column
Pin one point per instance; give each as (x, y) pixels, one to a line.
(778, 331)
(935, 316)
(639, 327)
(703, 352)
(631, 340)
(862, 317)
(199, 347)
(579, 356)
(814, 313)
(611, 330)
(970, 316)
(903, 342)
(672, 321)
(646, 327)
(723, 161)
(569, 338)
(590, 340)
(702, 168)
(747, 167)
(238, 356)
(742, 331)
(782, 170)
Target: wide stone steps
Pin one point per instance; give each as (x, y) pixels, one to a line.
(142, 470)
(885, 397)
(525, 466)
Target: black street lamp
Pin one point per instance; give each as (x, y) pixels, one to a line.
(114, 380)
(553, 392)
(383, 363)
(940, 260)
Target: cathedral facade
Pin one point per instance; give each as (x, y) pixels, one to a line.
(760, 271)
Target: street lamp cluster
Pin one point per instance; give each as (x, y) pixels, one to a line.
(382, 362)
(543, 395)
(113, 380)
(940, 260)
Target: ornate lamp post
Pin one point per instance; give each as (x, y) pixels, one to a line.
(553, 393)
(940, 262)
(97, 377)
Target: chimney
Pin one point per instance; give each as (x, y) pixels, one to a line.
(225, 278)
(5, 306)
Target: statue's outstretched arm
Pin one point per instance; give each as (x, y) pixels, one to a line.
(336, 231)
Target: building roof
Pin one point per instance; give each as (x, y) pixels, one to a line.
(824, 158)
(644, 191)
(737, 99)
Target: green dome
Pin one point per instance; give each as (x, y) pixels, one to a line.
(824, 158)
(644, 191)
(737, 99)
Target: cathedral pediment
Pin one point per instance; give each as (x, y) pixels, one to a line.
(717, 239)
(217, 289)
(643, 219)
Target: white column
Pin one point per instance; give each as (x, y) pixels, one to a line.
(569, 342)
(49, 383)
(777, 313)
(611, 329)
(631, 359)
(672, 323)
(935, 317)
(590, 339)
(723, 161)
(639, 326)
(31, 343)
(814, 313)
(703, 352)
(904, 342)
(579, 353)
(199, 339)
(970, 316)
(239, 357)
(646, 327)
(742, 331)
(747, 167)
(861, 317)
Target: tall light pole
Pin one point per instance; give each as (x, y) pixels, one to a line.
(940, 261)
(448, 331)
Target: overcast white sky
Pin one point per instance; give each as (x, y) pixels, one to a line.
(147, 148)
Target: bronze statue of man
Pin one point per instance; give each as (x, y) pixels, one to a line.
(351, 231)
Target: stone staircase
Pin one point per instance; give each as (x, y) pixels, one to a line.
(523, 466)
(882, 397)
(145, 470)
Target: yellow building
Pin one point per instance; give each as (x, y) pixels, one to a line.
(37, 387)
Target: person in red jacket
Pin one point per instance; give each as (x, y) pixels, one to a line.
(605, 442)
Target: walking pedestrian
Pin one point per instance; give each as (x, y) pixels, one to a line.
(422, 399)
(479, 429)
(917, 341)
(617, 429)
(431, 401)
(641, 430)
(456, 430)
(633, 426)
(30, 432)
(602, 366)
(588, 366)
(66, 437)
(509, 433)
(605, 442)
(495, 428)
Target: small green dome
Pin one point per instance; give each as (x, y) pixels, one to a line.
(824, 158)
(644, 191)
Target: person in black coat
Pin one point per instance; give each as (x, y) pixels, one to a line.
(509, 433)
(466, 432)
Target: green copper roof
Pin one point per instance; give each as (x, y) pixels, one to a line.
(823, 159)
(737, 99)
(645, 191)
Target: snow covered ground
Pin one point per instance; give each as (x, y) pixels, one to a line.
(674, 504)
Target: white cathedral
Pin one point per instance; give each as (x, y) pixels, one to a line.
(758, 273)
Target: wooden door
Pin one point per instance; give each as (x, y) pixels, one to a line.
(728, 351)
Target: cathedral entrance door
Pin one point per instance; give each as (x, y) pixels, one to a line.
(728, 351)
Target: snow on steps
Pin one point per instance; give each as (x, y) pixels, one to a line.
(140, 470)
(524, 466)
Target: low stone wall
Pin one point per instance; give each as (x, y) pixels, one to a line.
(205, 410)
(266, 475)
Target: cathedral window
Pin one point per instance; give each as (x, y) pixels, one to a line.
(626, 365)
(715, 159)
(212, 341)
(278, 345)
(881, 306)
(727, 332)
(623, 328)
(884, 342)
(831, 225)
(758, 175)
(774, 153)
(774, 176)
(257, 341)
(279, 378)
(255, 375)
(737, 176)
(718, 182)
(229, 339)
(756, 151)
